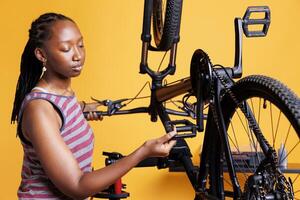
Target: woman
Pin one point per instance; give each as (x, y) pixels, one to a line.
(57, 140)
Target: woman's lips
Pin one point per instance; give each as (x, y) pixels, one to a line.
(77, 68)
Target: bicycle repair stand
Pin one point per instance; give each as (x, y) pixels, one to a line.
(180, 156)
(114, 192)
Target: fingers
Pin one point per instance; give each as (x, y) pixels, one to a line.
(168, 145)
(173, 133)
(172, 143)
(168, 136)
(166, 139)
(93, 116)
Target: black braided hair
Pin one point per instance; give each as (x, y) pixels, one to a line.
(31, 67)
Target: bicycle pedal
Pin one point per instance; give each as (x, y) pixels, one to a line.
(186, 126)
(265, 22)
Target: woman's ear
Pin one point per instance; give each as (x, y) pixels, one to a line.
(40, 54)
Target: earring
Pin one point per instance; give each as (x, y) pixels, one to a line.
(44, 69)
(44, 66)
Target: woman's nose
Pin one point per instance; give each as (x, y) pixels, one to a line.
(77, 54)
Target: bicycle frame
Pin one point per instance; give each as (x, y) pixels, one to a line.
(160, 94)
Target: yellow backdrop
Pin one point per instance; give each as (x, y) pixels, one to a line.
(112, 30)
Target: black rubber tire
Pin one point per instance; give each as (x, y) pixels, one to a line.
(252, 86)
(165, 30)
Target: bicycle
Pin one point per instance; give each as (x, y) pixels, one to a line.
(244, 166)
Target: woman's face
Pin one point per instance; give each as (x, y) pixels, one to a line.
(64, 50)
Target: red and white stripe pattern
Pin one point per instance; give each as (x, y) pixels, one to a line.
(77, 135)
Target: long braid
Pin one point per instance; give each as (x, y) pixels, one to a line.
(31, 67)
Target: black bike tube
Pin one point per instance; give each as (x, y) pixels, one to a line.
(204, 164)
(148, 7)
(225, 142)
(189, 169)
(164, 117)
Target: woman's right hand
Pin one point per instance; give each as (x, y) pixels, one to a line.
(159, 147)
(91, 108)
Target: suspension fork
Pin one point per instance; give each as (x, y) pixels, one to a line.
(224, 139)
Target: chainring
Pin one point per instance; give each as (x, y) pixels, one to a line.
(201, 73)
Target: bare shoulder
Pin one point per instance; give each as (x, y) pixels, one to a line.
(38, 105)
(39, 113)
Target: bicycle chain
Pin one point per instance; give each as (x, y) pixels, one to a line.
(287, 186)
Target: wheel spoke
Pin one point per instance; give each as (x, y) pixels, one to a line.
(228, 182)
(272, 127)
(290, 151)
(252, 107)
(258, 120)
(246, 127)
(237, 164)
(236, 145)
(277, 126)
(241, 122)
(259, 109)
(162, 60)
(284, 145)
(295, 179)
(234, 134)
(249, 133)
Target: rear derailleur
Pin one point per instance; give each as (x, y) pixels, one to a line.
(268, 183)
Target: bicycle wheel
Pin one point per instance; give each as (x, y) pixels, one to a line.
(166, 22)
(277, 112)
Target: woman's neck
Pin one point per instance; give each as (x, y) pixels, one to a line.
(55, 85)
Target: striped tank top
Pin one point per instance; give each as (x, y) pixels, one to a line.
(76, 133)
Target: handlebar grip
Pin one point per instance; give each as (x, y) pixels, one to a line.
(264, 21)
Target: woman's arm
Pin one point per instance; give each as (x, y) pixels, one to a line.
(41, 124)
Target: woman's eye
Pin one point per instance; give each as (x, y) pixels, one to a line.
(81, 45)
(65, 49)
